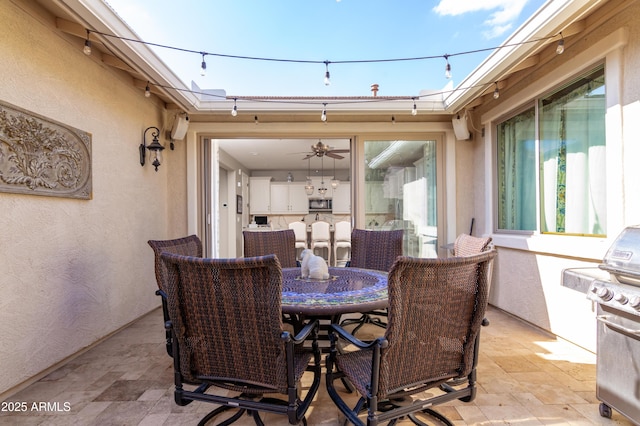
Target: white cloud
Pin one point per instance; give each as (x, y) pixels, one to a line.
(504, 12)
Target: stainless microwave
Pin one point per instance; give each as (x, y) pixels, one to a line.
(320, 204)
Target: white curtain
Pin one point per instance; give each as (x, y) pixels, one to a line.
(516, 172)
(572, 149)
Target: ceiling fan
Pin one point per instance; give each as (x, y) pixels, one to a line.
(320, 150)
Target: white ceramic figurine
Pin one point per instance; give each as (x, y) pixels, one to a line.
(314, 266)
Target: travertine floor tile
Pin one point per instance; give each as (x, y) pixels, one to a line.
(525, 377)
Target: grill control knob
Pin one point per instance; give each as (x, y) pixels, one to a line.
(604, 294)
(621, 299)
(635, 303)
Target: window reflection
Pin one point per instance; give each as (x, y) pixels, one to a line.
(400, 192)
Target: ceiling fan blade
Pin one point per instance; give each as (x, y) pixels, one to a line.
(332, 154)
(309, 156)
(339, 150)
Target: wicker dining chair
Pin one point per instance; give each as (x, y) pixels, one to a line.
(235, 340)
(468, 245)
(281, 243)
(373, 250)
(186, 246)
(436, 307)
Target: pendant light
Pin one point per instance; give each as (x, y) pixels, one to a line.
(323, 189)
(308, 187)
(334, 182)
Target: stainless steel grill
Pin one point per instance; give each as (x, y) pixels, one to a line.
(618, 315)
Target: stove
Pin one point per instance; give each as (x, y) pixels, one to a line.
(618, 329)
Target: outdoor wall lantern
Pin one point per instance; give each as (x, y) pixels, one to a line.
(155, 149)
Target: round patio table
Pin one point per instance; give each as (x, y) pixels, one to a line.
(347, 290)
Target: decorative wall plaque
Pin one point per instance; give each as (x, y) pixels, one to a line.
(43, 157)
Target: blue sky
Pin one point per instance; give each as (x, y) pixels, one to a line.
(324, 30)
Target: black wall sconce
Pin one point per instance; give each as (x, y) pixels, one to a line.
(154, 148)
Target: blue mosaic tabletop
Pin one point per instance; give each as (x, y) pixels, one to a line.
(347, 290)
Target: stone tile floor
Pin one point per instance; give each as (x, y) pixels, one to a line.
(525, 376)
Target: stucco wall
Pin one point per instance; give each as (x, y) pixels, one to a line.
(74, 271)
(528, 275)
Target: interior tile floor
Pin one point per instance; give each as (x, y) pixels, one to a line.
(525, 376)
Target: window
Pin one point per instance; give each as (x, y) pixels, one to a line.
(555, 183)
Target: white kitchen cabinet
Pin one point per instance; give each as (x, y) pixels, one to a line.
(259, 195)
(289, 198)
(342, 198)
(298, 199)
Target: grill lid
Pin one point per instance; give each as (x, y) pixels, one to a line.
(623, 258)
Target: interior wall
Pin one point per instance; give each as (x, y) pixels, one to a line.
(74, 271)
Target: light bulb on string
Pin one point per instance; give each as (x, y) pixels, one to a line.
(560, 48)
(147, 91)
(234, 110)
(447, 68)
(323, 117)
(327, 76)
(203, 67)
(414, 110)
(255, 119)
(496, 93)
(87, 45)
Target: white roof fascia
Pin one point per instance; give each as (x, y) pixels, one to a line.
(548, 21)
(98, 16)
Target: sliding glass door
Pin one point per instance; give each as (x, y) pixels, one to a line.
(400, 192)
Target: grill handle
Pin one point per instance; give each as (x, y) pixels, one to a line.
(605, 320)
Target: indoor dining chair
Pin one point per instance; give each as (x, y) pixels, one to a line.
(321, 239)
(186, 246)
(234, 341)
(300, 230)
(436, 308)
(341, 242)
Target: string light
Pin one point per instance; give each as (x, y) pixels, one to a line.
(560, 48)
(446, 56)
(87, 45)
(393, 119)
(147, 91)
(327, 76)
(447, 68)
(346, 101)
(414, 111)
(234, 110)
(203, 66)
(255, 119)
